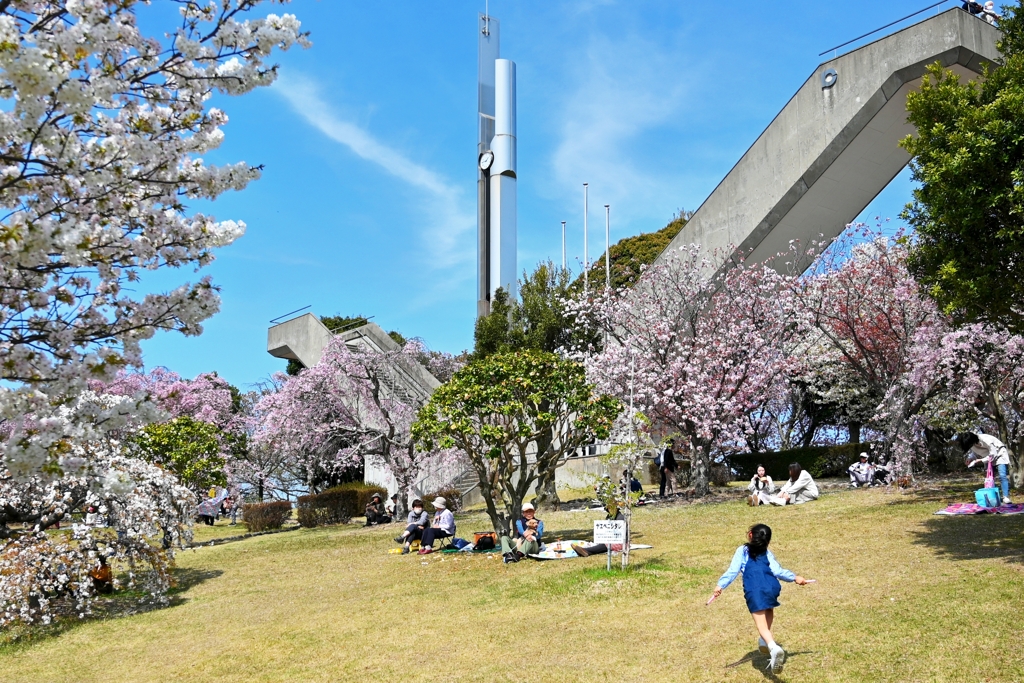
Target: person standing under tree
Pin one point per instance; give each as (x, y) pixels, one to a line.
(988, 449)
(667, 467)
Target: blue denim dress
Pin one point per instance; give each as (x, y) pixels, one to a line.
(760, 587)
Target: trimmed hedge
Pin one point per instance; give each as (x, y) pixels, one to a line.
(356, 506)
(263, 516)
(820, 461)
(333, 506)
(452, 497)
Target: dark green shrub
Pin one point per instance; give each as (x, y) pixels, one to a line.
(820, 461)
(333, 506)
(263, 516)
(452, 496)
(353, 503)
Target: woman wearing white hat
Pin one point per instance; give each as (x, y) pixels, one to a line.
(442, 526)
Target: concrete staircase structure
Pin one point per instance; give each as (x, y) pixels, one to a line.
(834, 146)
(304, 339)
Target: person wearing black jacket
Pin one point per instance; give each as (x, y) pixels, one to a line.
(973, 7)
(667, 466)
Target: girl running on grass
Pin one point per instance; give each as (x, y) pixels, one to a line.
(761, 587)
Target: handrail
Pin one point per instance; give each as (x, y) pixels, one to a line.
(892, 23)
(355, 324)
(288, 314)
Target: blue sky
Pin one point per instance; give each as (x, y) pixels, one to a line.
(367, 201)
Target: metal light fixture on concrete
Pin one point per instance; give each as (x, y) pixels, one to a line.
(828, 78)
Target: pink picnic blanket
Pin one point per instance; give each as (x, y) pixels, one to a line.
(975, 509)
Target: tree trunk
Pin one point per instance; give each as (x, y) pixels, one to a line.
(937, 444)
(700, 468)
(1017, 464)
(260, 489)
(547, 494)
(854, 427)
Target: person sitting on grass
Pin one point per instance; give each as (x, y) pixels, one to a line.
(761, 488)
(375, 511)
(861, 473)
(416, 524)
(442, 526)
(799, 489)
(528, 532)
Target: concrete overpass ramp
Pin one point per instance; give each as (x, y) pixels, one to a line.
(832, 149)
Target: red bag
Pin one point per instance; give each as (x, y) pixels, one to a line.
(990, 480)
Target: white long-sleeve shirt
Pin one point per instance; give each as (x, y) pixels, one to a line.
(739, 563)
(766, 487)
(990, 448)
(801, 490)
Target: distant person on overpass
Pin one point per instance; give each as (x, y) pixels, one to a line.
(991, 16)
(974, 8)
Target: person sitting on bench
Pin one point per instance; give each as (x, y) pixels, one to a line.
(442, 526)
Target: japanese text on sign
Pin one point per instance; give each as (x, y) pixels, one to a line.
(609, 531)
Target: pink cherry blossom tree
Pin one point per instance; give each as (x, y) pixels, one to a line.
(706, 349)
(981, 371)
(868, 314)
(352, 406)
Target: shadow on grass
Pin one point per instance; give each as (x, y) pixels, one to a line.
(123, 603)
(973, 537)
(951, 492)
(759, 662)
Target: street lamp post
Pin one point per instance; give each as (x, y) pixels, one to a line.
(563, 245)
(586, 251)
(607, 247)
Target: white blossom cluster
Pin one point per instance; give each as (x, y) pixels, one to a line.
(102, 132)
(44, 571)
(102, 137)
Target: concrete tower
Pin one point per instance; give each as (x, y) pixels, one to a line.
(496, 181)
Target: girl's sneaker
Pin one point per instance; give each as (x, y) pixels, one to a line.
(762, 646)
(1006, 501)
(778, 659)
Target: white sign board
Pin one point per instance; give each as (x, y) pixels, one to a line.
(610, 531)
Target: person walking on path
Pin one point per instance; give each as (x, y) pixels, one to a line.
(442, 526)
(761, 588)
(988, 449)
(528, 532)
(416, 523)
(667, 466)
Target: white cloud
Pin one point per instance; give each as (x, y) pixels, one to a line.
(449, 220)
(626, 90)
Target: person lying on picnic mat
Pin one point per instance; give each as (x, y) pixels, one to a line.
(595, 548)
(528, 532)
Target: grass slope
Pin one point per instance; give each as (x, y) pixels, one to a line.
(902, 596)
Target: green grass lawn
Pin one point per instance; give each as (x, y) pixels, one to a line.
(902, 596)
